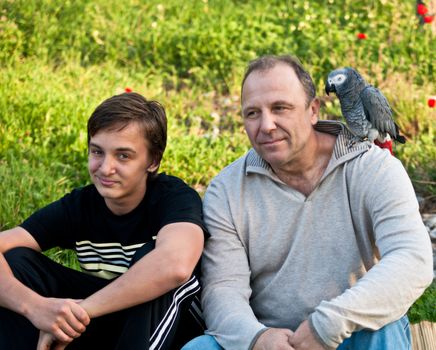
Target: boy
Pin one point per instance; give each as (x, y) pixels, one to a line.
(138, 237)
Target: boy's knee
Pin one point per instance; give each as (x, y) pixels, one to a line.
(19, 255)
(30, 268)
(20, 258)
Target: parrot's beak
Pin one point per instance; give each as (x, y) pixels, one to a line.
(329, 88)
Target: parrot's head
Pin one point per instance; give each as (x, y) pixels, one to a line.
(342, 80)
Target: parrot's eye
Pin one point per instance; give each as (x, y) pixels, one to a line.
(340, 78)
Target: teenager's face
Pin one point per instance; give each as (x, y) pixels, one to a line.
(119, 162)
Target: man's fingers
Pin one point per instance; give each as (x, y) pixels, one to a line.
(289, 332)
(290, 335)
(274, 338)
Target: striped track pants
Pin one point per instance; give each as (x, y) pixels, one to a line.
(163, 323)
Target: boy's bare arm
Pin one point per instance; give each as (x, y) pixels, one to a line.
(169, 265)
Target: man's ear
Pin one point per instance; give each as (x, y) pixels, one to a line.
(314, 109)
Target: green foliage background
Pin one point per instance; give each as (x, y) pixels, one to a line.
(59, 59)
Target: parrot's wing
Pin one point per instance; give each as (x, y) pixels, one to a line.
(377, 110)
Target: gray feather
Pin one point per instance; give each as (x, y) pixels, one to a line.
(365, 109)
(378, 111)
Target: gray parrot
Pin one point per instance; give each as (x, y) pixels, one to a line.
(364, 107)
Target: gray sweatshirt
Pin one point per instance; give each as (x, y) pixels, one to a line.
(354, 254)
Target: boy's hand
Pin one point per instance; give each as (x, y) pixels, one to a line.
(62, 319)
(47, 342)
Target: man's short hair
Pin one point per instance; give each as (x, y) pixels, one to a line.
(118, 111)
(267, 62)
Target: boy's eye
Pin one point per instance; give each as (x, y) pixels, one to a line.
(123, 156)
(95, 152)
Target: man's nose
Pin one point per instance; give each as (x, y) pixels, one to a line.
(267, 122)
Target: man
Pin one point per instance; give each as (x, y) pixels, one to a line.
(314, 245)
(138, 237)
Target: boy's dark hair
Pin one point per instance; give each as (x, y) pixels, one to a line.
(268, 62)
(118, 111)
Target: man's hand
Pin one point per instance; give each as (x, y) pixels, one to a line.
(304, 339)
(62, 319)
(47, 342)
(274, 339)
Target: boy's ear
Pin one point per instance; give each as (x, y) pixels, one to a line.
(152, 167)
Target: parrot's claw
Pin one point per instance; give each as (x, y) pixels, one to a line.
(353, 141)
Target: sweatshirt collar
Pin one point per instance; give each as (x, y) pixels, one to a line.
(341, 151)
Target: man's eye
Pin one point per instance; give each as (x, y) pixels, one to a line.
(279, 108)
(123, 156)
(250, 115)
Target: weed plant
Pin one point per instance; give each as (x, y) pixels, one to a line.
(59, 59)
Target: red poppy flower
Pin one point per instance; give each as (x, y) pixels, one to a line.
(431, 102)
(428, 19)
(127, 89)
(361, 36)
(421, 9)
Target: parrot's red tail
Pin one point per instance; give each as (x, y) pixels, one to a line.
(385, 144)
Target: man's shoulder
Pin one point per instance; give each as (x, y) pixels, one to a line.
(238, 166)
(375, 169)
(230, 181)
(376, 157)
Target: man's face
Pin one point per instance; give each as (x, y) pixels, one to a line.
(276, 119)
(119, 162)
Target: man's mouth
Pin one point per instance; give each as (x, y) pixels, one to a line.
(270, 142)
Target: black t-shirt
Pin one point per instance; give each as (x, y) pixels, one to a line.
(105, 242)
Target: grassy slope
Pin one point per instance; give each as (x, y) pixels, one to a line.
(59, 59)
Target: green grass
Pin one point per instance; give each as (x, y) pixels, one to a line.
(60, 59)
(425, 307)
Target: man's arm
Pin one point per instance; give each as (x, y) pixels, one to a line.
(62, 318)
(384, 204)
(169, 265)
(226, 276)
